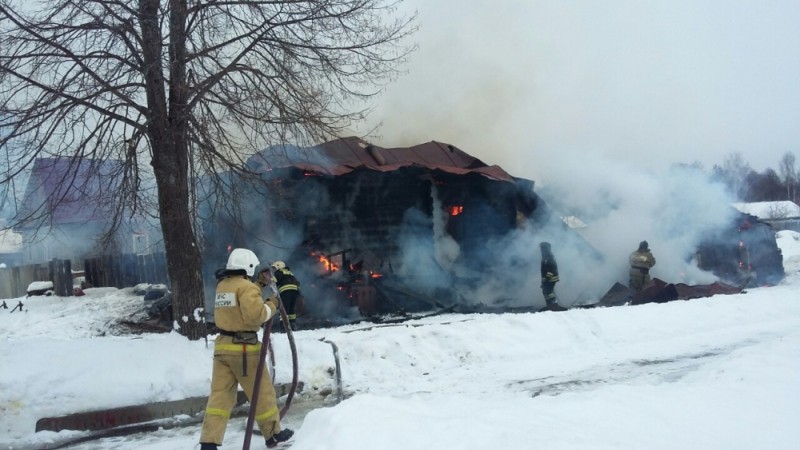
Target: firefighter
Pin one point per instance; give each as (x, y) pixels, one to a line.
(239, 312)
(549, 270)
(641, 261)
(288, 288)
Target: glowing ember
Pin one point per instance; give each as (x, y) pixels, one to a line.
(456, 210)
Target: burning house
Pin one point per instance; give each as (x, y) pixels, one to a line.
(743, 253)
(387, 230)
(371, 231)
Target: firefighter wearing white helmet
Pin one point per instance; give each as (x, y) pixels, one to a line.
(288, 288)
(243, 259)
(239, 312)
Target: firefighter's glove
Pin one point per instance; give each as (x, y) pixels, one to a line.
(264, 278)
(272, 306)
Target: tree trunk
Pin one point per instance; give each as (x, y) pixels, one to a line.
(183, 254)
(167, 134)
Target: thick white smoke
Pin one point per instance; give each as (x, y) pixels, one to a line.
(672, 208)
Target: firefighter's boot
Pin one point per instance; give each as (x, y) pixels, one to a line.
(552, 305)
(281, 436)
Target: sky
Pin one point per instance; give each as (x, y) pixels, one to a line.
(714, 373)
(543, 86)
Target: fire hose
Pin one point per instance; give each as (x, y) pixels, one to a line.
(267, 345)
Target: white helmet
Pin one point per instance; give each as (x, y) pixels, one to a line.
(278, 265)
(242, 258)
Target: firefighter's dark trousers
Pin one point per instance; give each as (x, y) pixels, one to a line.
(226, 375)
(289, 300)
(549, 292)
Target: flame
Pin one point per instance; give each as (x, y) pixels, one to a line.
(456, 210)
(330, 266)
(375, 275)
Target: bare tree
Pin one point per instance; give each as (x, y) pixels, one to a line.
(788, 173)
(777, 211)
(190, 87)
(734, 173)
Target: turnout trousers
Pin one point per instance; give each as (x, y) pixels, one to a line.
(638, 279)
(549, 292)
(226, 375)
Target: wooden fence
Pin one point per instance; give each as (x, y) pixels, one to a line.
(107, 271)
(14, 281)
(126, 270)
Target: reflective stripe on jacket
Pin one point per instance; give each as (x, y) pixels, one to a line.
(288, 287)
(285, 280)
(549, 268)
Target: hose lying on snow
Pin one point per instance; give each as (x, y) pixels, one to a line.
(339, 390)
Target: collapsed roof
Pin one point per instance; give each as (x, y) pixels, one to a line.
(344, 155)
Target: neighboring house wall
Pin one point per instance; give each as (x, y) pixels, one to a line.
(10, 248)
(781, 215)
(785, 224)
(71, 241)
(10, 259)
(69, 206)
(77, 242)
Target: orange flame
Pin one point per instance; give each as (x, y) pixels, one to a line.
(456, 210)
(330, 266)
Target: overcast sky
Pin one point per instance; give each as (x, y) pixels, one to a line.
(532, 85)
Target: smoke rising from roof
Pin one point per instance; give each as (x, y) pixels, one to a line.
(648, 82)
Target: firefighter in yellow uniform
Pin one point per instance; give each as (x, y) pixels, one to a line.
(239, 312)
(642, 260)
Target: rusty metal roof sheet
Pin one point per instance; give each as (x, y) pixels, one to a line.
(344, 155)
(660, 291)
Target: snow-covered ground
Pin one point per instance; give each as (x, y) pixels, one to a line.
(713, 373)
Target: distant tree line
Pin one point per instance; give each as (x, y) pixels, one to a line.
(751, 186)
